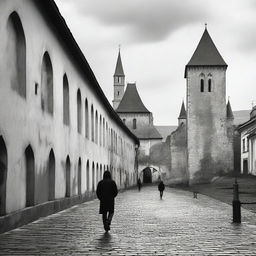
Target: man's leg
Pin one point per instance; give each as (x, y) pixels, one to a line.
(104, 219)
(110, 216)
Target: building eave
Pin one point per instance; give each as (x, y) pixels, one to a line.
(52, 14)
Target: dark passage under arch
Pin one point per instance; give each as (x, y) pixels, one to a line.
(147, 175)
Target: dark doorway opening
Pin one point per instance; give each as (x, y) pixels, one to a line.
(79, 177)
(3, 176)
(147, 175)
(245, 166)
(30, 177)
(68, 177)
(51, 175)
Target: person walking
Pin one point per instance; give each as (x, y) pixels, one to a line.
(161, 188)
(139, 184)
(106, 193)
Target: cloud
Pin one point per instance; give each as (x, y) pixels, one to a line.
(144, 20)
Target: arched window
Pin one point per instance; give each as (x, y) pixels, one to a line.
(66, 118)
(202, 85)
(79, 178)
(97, 173)
(103, 132)
(68, 178)
(124, 120)
(134, 124)
(100, 130)
(101, 176)
(93, 177)
(3, 176)
(86, 119)
(209, 85)
(30, 176)
(107, 135)
(87, 176)
(111, 140)
(92, 123)
(47, 84)
(79, 112)
(16, 51)
(51, 175)
(96, 127)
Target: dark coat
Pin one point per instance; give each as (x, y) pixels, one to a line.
(106, 192)
(161, 186)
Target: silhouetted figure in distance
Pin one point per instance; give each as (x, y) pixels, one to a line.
(106, 192)
(161, 188)
(139, 184)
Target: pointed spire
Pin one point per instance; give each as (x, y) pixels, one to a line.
(206, 54)
(183, 113)
(229, 111)
(119, 67)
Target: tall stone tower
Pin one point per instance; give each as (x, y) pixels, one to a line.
(119, 82)
(209, 150)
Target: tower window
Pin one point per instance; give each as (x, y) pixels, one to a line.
(134, 123)
(209, 85)
(124, 120)
(117, 93)
(202, 85)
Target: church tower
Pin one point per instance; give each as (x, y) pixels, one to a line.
(119, 82)
(209, 150)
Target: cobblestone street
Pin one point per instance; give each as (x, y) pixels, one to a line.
(142, 225)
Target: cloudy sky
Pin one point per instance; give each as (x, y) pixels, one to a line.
(157, 38)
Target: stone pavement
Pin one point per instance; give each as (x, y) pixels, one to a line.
(143, 225)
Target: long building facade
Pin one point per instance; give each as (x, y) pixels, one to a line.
(58, 132)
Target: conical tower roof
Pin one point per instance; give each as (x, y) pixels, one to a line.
(119, 66)
(131, 101)
(206, 54)
(229, 111)
(183, 113)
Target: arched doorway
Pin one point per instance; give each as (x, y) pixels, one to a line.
(79, 178)
(147, 175)
(30, 176)
(3, 176)
(68, 177)
(51, 176)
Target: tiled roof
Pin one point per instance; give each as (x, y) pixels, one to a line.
(206, 54)
(147, 132)
(131, 101)
(241, 116)
(165, 131)
(119, 67)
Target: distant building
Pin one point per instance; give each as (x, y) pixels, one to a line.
(248, 144)
(139, 120)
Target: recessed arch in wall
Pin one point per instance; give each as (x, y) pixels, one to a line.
(16, 52)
